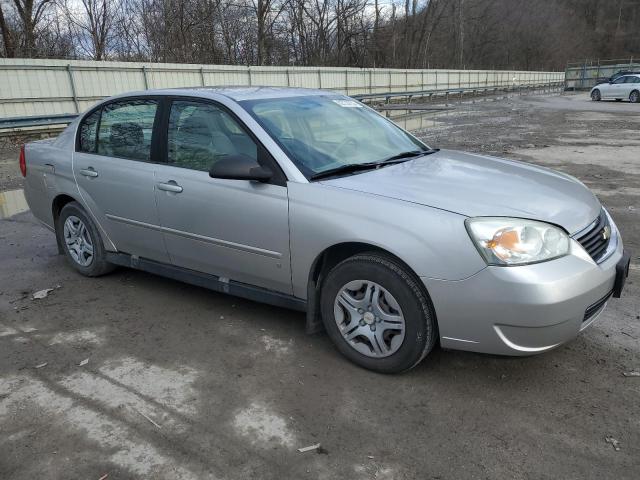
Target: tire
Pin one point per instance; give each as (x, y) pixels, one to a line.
(596, 96)
(634, 97)
(400, 298)
(77, 234)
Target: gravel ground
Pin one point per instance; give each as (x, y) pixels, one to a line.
(183, 383)
(9, 170)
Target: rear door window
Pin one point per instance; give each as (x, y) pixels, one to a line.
(126, 128)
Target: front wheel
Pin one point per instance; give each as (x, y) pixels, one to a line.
(596, 96)
(634, 97)
(81, 241)
(377, 314)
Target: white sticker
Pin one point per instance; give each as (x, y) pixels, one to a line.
(348, 103)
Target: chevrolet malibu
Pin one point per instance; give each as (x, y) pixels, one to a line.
(310, 200)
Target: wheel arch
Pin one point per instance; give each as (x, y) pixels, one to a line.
(58, 204)
(329, 258)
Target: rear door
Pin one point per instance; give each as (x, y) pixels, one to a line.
(235, 229)
(114, 168)
(631, 83)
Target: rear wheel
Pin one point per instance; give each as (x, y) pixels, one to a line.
(377, 314)
(595, 95)
(634, 97)
(81, 242)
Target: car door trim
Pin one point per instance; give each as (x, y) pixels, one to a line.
(130, 221)
(202, 238)
(212, 282)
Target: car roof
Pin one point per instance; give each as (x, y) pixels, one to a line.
(237, 94)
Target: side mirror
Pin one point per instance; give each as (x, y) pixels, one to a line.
(240, 167)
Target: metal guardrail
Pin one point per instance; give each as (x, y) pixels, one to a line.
(387, 96)
(33, 125)
(36, 121)
(18, 124)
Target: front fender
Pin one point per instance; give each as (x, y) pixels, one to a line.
(433, 242)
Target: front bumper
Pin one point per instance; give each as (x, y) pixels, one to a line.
(526, 309)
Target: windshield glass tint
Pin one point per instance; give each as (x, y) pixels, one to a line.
(321, 133)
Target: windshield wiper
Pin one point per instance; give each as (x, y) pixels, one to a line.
(356, 167)
(348, 168)
(405, 156)
(410, 154)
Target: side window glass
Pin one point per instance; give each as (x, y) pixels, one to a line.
(126, 128)
(88, 130)
(619, 80)
(201, 133)
(632, 80)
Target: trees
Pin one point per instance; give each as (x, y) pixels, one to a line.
(522, 34)
(20, 37)
(91, 23)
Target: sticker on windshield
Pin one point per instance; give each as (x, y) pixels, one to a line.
(348, 103)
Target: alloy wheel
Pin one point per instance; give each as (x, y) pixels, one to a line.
(369, 318)
(78, 241)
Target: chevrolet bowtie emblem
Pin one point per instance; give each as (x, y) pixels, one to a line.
(606, 233)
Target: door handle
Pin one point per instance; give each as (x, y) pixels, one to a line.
(89, 172)
(170, 187)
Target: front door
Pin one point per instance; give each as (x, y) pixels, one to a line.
(234, 229)
(617, 88)
(115, 175)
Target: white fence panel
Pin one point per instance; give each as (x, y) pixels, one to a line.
(44, 87)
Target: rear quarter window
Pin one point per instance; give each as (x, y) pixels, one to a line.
(88, 133)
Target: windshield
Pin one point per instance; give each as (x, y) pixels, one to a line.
(323, 133)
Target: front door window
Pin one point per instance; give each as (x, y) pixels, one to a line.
(201, 134)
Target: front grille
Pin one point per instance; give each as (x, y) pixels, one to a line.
(595, 308)
(596, 240)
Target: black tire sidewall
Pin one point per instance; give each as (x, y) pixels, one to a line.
(99, 264)
(595, 95)
(420, 325)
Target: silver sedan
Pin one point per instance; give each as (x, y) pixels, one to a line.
(310, 200)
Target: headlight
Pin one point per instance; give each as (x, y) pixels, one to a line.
(515, 241)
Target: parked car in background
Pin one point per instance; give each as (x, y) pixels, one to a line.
(625, 87)
(310, 200)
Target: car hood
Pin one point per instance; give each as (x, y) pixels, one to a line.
(478, 185)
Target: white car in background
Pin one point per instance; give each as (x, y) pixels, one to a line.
(626, 87)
